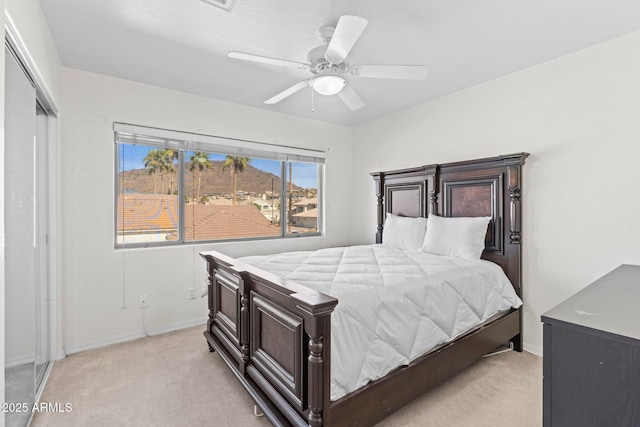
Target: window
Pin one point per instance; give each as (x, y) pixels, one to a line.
(174, 188)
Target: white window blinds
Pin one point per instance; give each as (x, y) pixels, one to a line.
(132, 134)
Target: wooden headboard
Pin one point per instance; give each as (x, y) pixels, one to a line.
(483, 187)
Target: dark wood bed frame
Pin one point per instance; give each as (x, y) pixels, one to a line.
(275, 334)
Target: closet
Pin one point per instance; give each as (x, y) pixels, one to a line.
(27, 255)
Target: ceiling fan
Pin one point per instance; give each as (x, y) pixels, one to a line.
(328, 64)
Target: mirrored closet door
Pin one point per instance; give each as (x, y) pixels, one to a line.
(26, 267)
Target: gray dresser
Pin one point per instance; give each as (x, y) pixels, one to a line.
(591, 358)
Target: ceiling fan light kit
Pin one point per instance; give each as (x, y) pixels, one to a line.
(328, 64)
(328, 84)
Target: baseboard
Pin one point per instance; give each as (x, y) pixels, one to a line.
(124, 338)
(533, 349)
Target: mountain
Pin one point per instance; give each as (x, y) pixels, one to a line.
(212, 181)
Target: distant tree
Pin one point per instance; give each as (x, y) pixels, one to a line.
(170, 158)
(152, 162)
(200, 161)
(235, 164)
(161, 161)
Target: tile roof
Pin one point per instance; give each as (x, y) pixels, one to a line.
(159, 213)
(311, 213)
(210, 222)
(306, 201)
(147, 212)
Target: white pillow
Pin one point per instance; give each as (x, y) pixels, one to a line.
(461, 237)
(403, 232)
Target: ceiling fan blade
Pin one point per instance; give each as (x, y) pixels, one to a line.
(345, 35)
(267, 60)
(287, 92)
(407, 72)
(351, 98)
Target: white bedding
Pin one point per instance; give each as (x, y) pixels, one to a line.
(393, 305)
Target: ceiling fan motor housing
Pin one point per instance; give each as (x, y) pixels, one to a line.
(318, 64)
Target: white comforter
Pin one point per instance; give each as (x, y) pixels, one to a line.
(393, 305)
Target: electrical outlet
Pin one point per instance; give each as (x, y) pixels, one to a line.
(142, 301)
(192, 293)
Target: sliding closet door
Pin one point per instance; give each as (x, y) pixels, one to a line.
(21, 278)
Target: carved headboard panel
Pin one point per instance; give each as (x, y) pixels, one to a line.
(483, 187)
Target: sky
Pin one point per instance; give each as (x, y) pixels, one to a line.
(305, 175)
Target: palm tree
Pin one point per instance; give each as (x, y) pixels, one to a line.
(200, 161)
(153, 163)
(171, 157)
(166, 166)
(236, 164)
(161, 161)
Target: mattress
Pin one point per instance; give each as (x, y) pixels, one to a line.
(393, 305)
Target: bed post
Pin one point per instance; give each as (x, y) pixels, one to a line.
(244, 323)
(210, 295)
(317, 309)
(379, 182)
(514, 180)
(432, 189)
(514, 195)
(316, 363)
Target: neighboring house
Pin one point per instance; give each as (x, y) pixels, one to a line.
(261, 204)
(306, 219)
(305, 204)
(305, 213)
(268, 209)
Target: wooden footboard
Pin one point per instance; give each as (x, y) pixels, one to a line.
(276, 337)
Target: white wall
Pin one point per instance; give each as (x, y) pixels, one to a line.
(578, 116)
(96, 278)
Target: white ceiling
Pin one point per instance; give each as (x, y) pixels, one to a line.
(183, 44)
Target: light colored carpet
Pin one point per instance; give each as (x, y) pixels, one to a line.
(173, 380)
